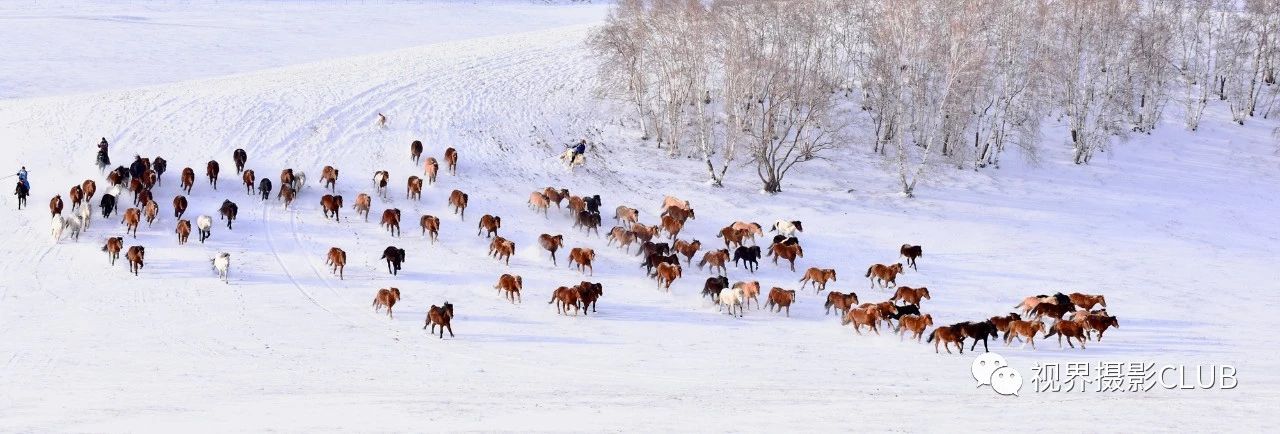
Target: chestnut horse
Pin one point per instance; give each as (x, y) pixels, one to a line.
(716, 259)
(413, 189)
(179, 206)
(916, 324)
(90, 188)
(211, 170)
(391, 221)
(55, 206)
(489, 225)
(750, 291)
(458, 200)
(183, 230)
(113, 247)
(1025, 330)
(886, 274)
(788, 252)
(431, 169)
(753, 229)
(687, 249)
(337, 258)
(363, 202)
(430, 225)
(77, 196)
(841, 302)
(451, 160)
(868, 316)
(188, 179)
(386, 298)
(564, 297)
(819, 277)
(779, 299)
(132, 217)
(556, 196)
(582, 257)
(589, 293)
(539, 202)
(502, 249)
(150, 210)
(135, 256)
(668, 273)
(249, 178)
(331, 205)
(732, 236)
(1002, 322)
(551, 243)
(1068, 329)
(945, 336)
(911, 295)
(441, 316)
(1086, 301)
(626, 216)
(623, 236)
(329, 177)
(511, 285)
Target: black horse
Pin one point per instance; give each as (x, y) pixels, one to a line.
(394, 257)
(978, 331)
(749, 255)
(228, 212)
(264, 187)
(137, 168)
(159, 165)
(108, 205)
(22, 191)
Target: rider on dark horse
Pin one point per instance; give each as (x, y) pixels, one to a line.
(23, 189)
(103, 159)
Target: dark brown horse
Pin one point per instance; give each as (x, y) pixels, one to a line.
(211, 170)
(441, 316)
(239, 156)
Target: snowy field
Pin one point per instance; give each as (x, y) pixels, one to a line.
(1177, 229)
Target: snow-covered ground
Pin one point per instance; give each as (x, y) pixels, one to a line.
(1176, 229)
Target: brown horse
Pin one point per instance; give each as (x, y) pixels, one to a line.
(670, 201)
(1068, 329)
(887, 310)
(329, 177)
(386, 298)
(228, 212)
(750, 291)
(732, 236)
(621, 235)
(391, 221)
(564, 297)
(916, 324)
(886, 274)
(415, 151)
(249, 178)
(211, 170)
(431, 169)
(668, 273)
(55, 206)
(909, 295)
(552, 243)
(363, 202)
(1002, 322)
(539, 202)
(582, 257)
(678, 213)
(672, 226)
(183, 230)
(511, 285)
(113, 247)
(643, 232)
(150, 210)
(780, 299)
(868, 316)
(626, 216)
(144, 197)
(819, 277)
(337, 258)
(1052, 310)
(331, 205)
(413, 188)
(132, 217)
(716, 259)
(451, 160)
(786, 251)
(135, 256)
(556, 196)
(502, 249)
(458, 200)
(1086, 301)
(187, 180)
(576, 205)
(1099, 323)
(76, 195)
(945, 336)
(687, 249)
(753, 229)
(489, 225)
(430, 225)
(179, 206)
(841, 302)
(1025, 330)
(911, 253)
(286, 177)
(589, 293)
(441, 316)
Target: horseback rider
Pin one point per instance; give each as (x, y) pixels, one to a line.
(576, 151)
(103, 159)
(22, 177)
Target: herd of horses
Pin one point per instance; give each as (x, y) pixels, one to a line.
(663, 253)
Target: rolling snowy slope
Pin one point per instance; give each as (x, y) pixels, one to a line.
(1176, 229)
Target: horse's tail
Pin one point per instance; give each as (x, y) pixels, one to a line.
(843, 321)
(935, 332)
(869, 271)
(828, 304)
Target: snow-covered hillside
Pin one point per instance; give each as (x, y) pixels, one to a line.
(1176, 229)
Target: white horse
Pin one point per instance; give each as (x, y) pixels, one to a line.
(299, 180)
(380, 178)
(115, 191)
(76, 225)
(787, 228)
(205, 224)
(579, 160)
(222, 263)
(732, 297)
(86, 213)
(58, 224)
